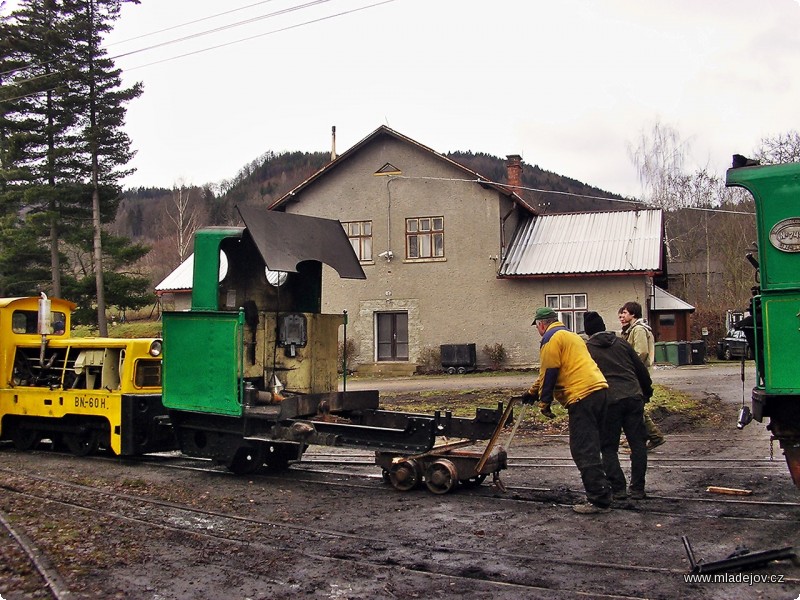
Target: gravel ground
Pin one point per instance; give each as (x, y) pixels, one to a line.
(312, 535)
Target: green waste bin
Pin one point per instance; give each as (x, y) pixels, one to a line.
(661, 352)
(671, 350)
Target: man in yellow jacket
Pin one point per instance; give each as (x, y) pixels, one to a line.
(568, 373)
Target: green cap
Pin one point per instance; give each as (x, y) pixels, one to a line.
(544, 313)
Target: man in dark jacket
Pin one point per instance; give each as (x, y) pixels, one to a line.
(629, 387)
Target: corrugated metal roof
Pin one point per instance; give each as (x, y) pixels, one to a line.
(180, 279)
(663, 300)
(597, 242)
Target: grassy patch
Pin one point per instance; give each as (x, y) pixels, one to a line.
(671, 408)
(131, 329)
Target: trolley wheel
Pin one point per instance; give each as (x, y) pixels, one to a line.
(472, 481)
(462, 370)
(441, 476)
(405, 475)
(82, 444)
(385, 476)
(247, 459)
(25, 439)
(451, 370)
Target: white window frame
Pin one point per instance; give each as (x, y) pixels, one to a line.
(427, 234)
(570, 309)
(360, 235)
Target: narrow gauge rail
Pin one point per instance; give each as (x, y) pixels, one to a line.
(493, 570)
(50, 577)
(656, 504)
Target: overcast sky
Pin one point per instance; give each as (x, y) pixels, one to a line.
(568, 84)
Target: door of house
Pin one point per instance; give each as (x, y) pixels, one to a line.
(667, 328)
(392, 335)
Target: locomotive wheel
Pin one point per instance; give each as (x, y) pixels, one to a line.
(473, 481)
(247, 460)
(82, 444)
(25, 439)
(405, 475)
(276, 459)
(441, 476)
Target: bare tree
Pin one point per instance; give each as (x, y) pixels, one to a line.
(182, 212)
(783, 148)
(659, 159)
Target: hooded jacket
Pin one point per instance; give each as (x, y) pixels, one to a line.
(625, 372)
(640, 336)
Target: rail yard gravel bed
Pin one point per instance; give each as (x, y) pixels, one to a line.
(144, 529)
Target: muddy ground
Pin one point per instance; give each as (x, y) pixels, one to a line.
(346, 535)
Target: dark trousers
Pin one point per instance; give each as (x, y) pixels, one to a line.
(626, 414)
(586, 421)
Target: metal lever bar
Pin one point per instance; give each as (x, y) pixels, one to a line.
(751, 559)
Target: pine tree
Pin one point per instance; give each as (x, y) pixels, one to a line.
(62, 147)
(99, 101)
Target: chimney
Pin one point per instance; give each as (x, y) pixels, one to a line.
(514, 169)
(333, 143)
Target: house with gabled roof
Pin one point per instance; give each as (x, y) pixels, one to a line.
(452, 258)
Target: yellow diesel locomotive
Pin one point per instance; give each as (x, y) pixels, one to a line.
(84, 394)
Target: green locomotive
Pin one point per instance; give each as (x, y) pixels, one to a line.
(776, 301)
(250, 371)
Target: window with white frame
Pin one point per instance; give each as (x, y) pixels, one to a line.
(425, 237)
(360, 235)
(570, 308)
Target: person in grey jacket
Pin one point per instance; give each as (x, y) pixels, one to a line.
(629, 387)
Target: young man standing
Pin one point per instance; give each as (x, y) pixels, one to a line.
(629, 387)
(638, 334)
(568, 374)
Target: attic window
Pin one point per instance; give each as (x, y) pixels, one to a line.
(388, 169)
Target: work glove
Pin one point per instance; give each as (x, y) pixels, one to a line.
(528, 398)
(544, 407)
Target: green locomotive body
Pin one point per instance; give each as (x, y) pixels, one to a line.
(776, 300)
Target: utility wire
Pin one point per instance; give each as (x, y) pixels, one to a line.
(179, 25)
(247, 39)
(225, 27)
(211, 31)
(573, 194)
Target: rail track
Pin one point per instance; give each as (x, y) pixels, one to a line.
(438, 544)
(234, 534)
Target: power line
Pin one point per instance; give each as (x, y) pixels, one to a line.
(223, 27)
(287, 28)
(179, 25)
(211, 31)
(573, 194)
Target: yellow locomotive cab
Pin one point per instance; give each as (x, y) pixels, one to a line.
(84, 393)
